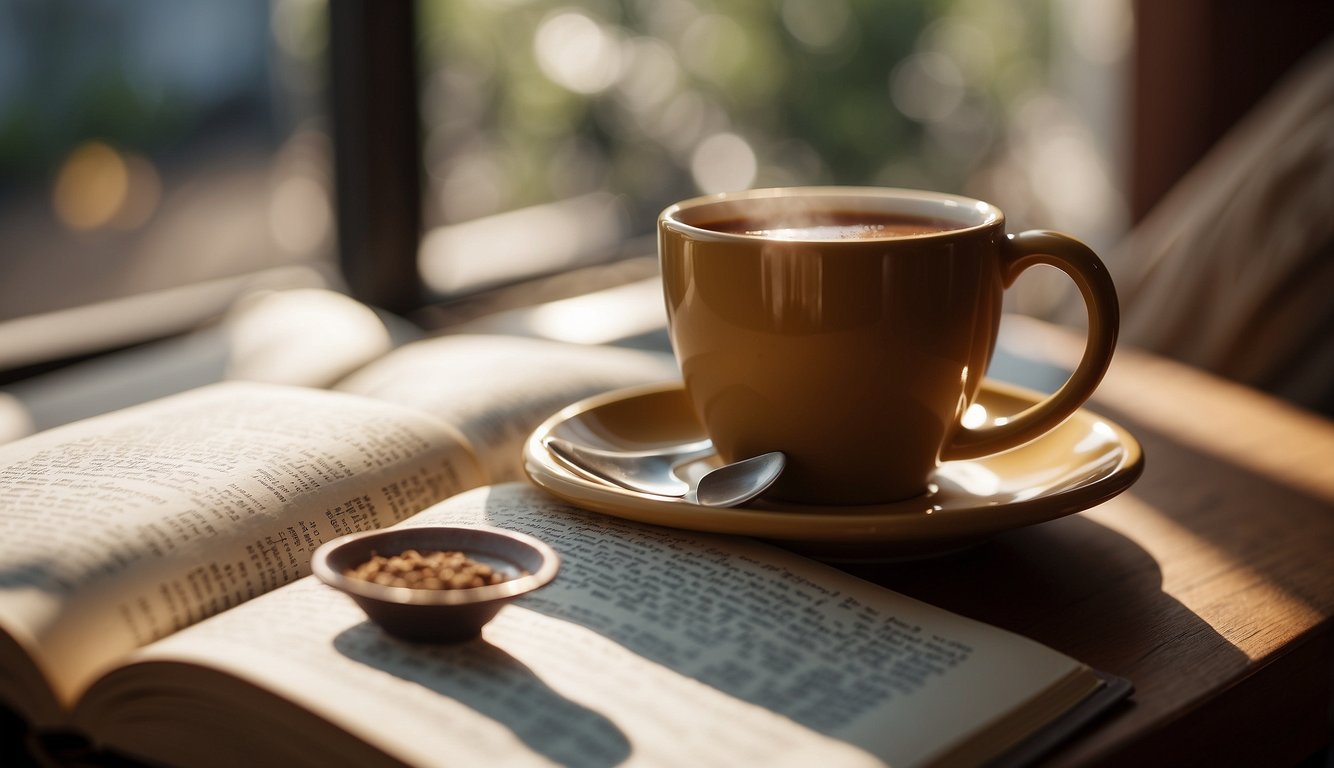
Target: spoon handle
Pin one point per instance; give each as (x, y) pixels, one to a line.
(642, 472)
(732, 485)
(677, 454)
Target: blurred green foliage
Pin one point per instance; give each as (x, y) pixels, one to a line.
(809, 85)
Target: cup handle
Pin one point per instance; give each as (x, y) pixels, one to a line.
(1075, 259)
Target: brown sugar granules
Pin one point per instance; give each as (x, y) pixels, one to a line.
(427, 570)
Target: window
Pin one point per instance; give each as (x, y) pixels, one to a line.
(164, 151)
(569, 125)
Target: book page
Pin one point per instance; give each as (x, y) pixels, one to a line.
(652, 645)
(124, 528)
(497, 389)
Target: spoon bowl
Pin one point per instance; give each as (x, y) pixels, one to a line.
(735, 484)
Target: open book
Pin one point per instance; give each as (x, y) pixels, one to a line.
(154, 597)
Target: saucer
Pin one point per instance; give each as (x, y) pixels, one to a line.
(1080, 464)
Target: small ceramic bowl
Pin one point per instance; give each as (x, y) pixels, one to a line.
(437, 615)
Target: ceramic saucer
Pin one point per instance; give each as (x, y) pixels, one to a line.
(1082, 463)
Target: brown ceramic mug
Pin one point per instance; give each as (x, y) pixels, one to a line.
(851, 328)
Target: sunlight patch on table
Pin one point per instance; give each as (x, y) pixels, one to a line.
(1195, 572)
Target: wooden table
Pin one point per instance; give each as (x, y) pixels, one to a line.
(1209, 583)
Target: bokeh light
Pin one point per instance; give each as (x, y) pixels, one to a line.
(927, 86)
(91, 186)
(99, 187)
(299, 214)
(576, 51)
(816, 24)
(723, 162)
(537, 100)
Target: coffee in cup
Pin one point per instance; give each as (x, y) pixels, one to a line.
(851, 327)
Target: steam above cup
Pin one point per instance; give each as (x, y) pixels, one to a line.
(851, 327)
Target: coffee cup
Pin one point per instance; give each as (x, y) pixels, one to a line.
(851, 328)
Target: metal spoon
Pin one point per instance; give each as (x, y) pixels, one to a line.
(652, 471)
(737, 483)
(643, 471)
